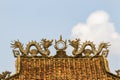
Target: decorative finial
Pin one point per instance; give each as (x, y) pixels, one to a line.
(60, 44)
(60, 37)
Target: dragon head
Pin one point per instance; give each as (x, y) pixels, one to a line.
(46, 43)
(105, 45)
(15, 44)
(74, 43)
(7, 72)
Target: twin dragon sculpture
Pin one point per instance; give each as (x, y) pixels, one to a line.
(41, 47)
(79, 49)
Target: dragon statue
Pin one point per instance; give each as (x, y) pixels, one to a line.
(75, 44)
(78, 50)
(40, 48)
(4, 75)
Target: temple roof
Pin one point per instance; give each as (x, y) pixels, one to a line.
(84, 68)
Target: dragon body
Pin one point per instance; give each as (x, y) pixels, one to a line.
(87, 43)
(41, 48)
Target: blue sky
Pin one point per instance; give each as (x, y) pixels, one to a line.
(33, 20)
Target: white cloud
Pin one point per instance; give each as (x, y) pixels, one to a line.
(98, 28)
(98, 17)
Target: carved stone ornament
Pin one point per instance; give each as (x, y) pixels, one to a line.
(41, 48)
(60, 44)
(4, 75)
(79, 49)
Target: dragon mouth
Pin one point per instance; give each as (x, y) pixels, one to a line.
(13, 45)
(108, 44)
